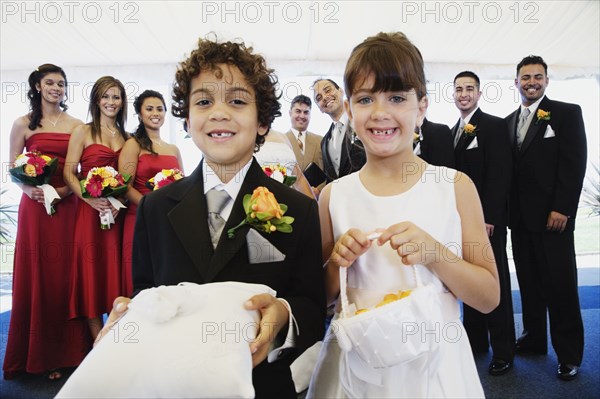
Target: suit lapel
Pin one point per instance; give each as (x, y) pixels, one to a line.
(328, 165)
(189, 221)
(536, 126)
(464, 141)
(345, 160)
(512, 129)
(227, 248)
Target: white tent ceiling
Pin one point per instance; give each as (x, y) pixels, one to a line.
(304, 38)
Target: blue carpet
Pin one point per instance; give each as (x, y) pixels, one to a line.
(589, 298)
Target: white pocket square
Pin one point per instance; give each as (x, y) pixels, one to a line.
(549, 132)
(260, 250)
(473, 144)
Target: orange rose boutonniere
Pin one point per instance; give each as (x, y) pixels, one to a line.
(469, 130)
(264, 213)
(542, 115)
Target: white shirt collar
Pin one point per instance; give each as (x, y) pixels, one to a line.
(468, 118)
(533, 107)
(233, 187)
(343, 119)
(295, 133)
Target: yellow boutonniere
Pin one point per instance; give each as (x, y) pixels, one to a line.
(542, 115)
(416, 138)
(264, 213)
(469, 130)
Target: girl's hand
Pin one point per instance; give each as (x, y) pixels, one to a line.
(114, 211)
(100, 204)
(36, 194)
(348, 247)
(62, 192)
(414, 246)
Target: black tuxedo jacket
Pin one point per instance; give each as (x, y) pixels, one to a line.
(488, 164)
(550, 167)
(172, 244)
(437, 147)
(353, 154)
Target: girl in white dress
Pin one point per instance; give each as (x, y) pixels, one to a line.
(428, 216)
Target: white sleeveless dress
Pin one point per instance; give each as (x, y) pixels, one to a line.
(273, 153)
(431, 205)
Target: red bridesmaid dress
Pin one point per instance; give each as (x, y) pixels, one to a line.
(148, 166)
(41, 337)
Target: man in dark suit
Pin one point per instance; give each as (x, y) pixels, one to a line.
(550, 153)
(176, 236)
(343, 153)
(434, 144)
(482, 151)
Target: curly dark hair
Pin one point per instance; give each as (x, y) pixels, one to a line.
(35, 97)
(141, 135)
(253, 66)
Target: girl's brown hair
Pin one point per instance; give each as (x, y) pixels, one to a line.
(391, 59)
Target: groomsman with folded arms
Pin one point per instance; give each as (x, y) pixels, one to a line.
(482, 151)
(550, 154)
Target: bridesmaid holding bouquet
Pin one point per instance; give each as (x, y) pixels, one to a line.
(41, 338)
(143, 156)
(97, 252)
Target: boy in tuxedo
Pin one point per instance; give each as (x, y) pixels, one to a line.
(227, 97)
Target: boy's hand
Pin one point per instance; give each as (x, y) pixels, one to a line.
(120, 306)
(274, 316)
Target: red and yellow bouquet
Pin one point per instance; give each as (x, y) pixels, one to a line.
(36, 169)
(279, 173)
(105, 182)
(164, 178)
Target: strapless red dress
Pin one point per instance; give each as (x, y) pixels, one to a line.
(97, 253)
(41, 337)
(148, 166)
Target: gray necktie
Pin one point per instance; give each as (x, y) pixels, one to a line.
(337, 135)
(216, 201)
(521, 127)
(459, 132)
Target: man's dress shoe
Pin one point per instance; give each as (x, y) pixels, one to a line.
(499, 367)
(567, 372)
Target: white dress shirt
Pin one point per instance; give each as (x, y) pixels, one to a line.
(211, 180)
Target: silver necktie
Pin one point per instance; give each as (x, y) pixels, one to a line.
(521, 127)
(216, 201)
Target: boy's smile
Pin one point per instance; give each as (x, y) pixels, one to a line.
(223, 117)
